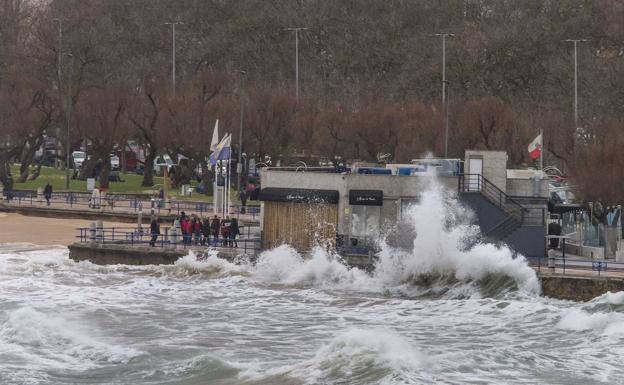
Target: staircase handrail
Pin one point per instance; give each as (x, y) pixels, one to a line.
(492, 192)
(501, 227)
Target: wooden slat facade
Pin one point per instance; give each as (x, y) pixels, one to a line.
(298, 224)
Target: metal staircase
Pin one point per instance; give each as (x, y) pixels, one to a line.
(514, 211)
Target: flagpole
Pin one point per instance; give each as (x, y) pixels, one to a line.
(541, 161)
(229, 176)
(215, 192)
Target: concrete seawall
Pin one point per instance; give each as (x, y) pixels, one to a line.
(112, 254)
(578, 288)
(81, 214)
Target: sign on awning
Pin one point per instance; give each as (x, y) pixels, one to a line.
(299, 195)
(366, 197)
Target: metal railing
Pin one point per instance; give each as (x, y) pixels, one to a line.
(570, 265)
(478, 183)
(516, 213)
(141, 236)
(122, 203)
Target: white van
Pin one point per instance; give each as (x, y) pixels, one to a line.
(161, 162)
(78, 157)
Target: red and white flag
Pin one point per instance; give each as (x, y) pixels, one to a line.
(535, 148)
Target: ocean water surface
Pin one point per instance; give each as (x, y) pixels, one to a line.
(437, 309)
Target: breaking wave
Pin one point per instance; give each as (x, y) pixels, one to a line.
(56, 342)
(608, 323)
(355, 356)
(439, 258)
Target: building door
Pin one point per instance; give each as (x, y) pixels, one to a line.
(301, 225)
(475, 166)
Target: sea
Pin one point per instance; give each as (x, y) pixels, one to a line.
(441, 307)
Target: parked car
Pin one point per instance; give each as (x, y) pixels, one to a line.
(78, 157)
(114, 161)
(161, 162)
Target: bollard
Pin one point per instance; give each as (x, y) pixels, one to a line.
(174, 237)
(172, 204)
(100, 231)
(551, 261)
(92, 232)
(40, 196)
(168, 206)
(103, 200)
(140, 221)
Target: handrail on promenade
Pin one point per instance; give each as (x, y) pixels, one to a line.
(135, 204)
(564, 263)
(136, 236)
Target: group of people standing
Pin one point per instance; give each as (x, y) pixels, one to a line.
(215, 231)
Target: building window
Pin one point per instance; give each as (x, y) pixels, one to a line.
(406, 204)
(365, 221)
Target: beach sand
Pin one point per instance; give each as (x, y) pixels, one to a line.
(43, 231)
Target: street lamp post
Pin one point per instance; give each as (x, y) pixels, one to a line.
(297, 29)
(575, 42)
(60, 41)
(68, 119)
(444, 104)
(239, 165)
(173, 54)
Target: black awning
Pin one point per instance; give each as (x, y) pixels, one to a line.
(298, 195)
(366, 197)
(560, 208)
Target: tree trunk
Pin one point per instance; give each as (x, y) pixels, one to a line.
(23, 172)
(27, 158)
(86, 171)
(148, 170)
(4, 168)
(105, 172)
(36, 173)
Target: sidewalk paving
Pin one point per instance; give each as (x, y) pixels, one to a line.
(131, 207)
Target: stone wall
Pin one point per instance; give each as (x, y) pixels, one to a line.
(112, 254)
(578, 288)
(527, 188)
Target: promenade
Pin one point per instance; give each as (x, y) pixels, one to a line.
(123, 207)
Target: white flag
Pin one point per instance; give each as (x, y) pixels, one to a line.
(215, 137)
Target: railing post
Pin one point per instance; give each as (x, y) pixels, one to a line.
(100, 231)
(92, 230)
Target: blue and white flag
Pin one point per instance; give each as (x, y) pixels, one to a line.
(223, 150)
(215, 137)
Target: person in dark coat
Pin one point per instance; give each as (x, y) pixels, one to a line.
(8, 187)
(154, 231)
(47, 193)
(215, 227)
(554, 228)
(234, 231)
(205, 229)
(243, 198)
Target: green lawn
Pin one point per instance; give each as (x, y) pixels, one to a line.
(131, 184)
